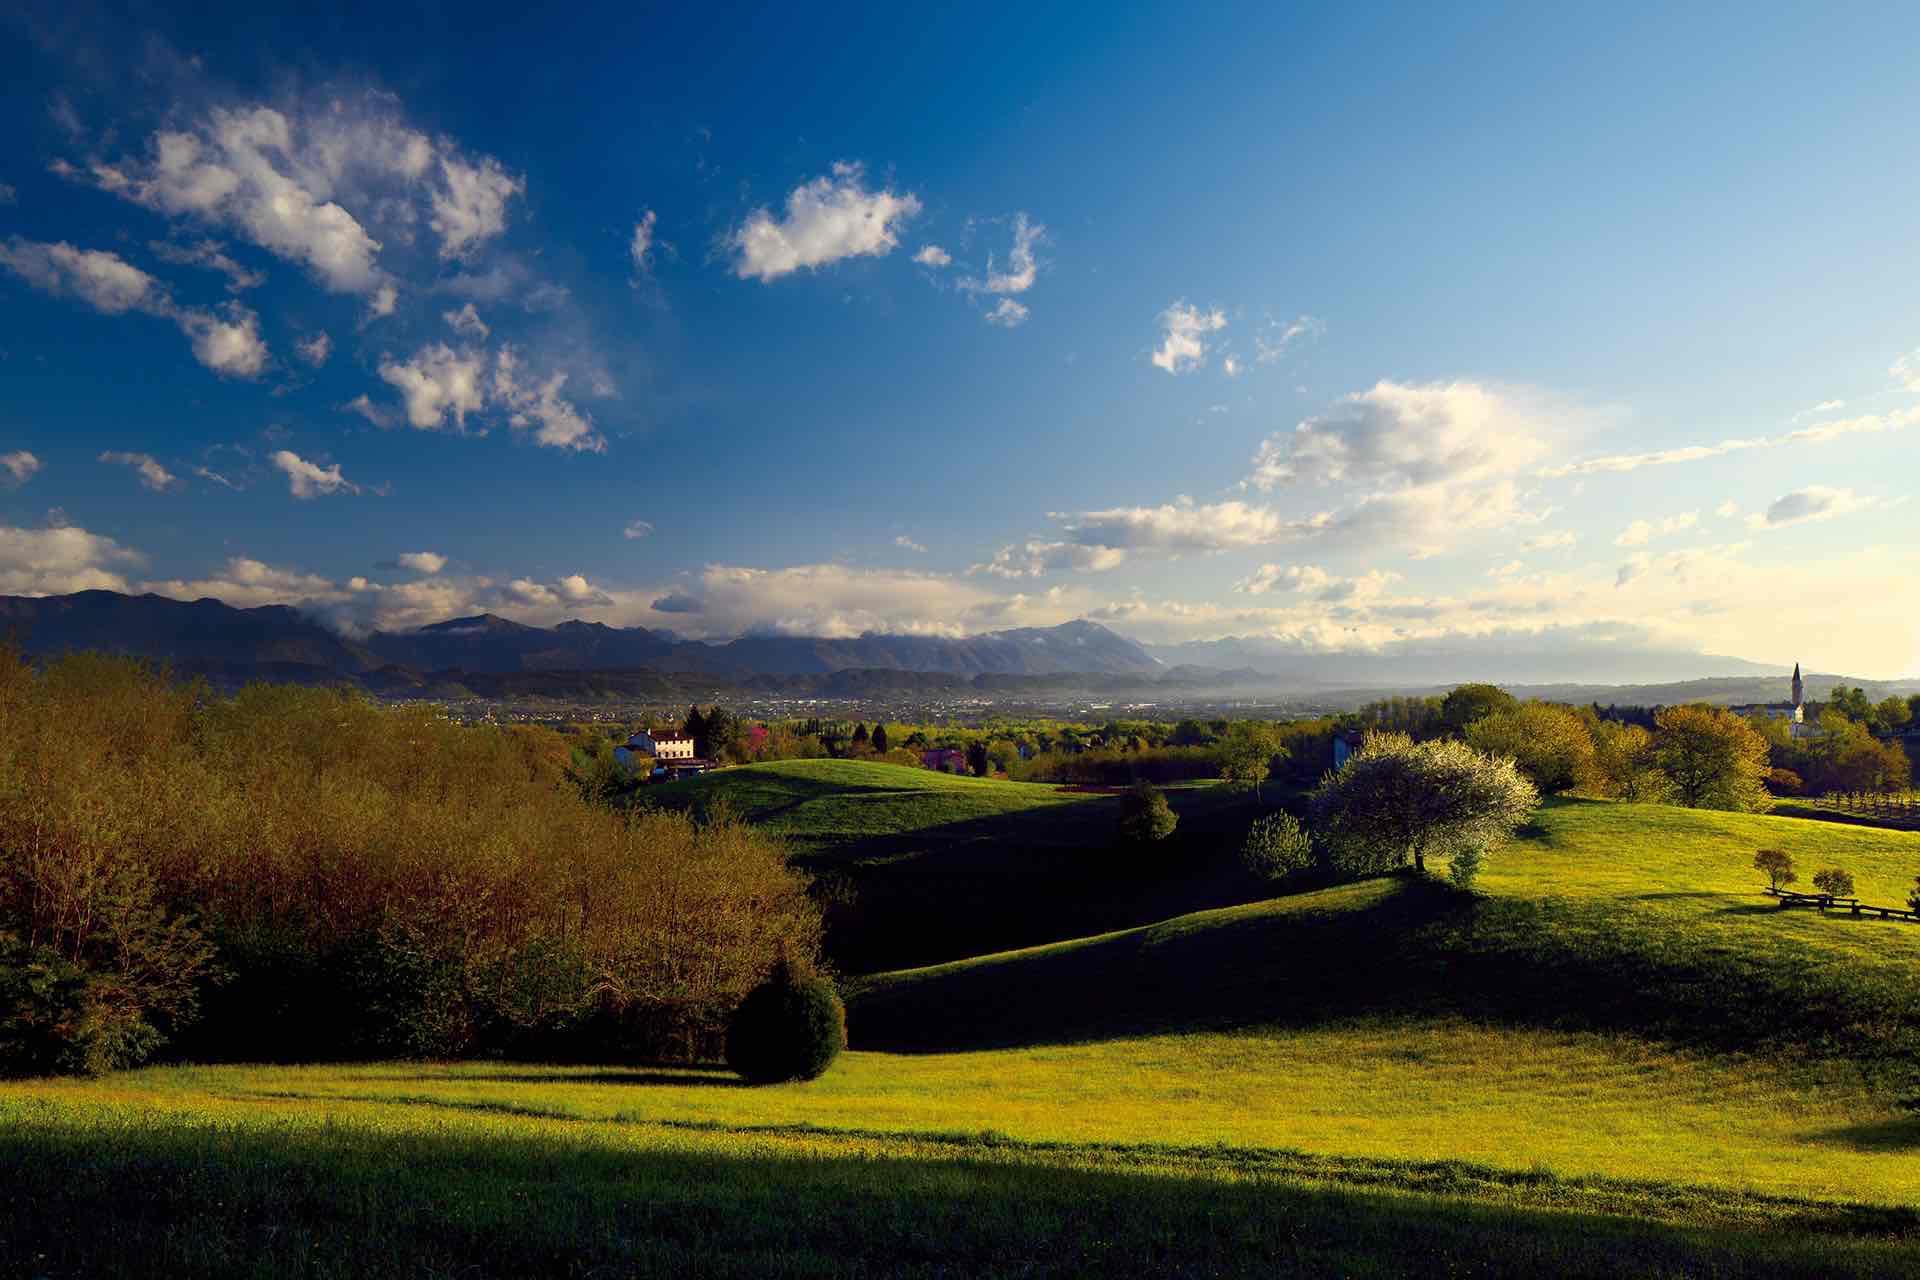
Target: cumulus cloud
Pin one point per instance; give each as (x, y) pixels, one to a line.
(637, 529)
(1184, 527)
(310, 479)
(1034, 558)
(1184, 328)
(1022, 266)
(932, 255)
(1727, 510)
(1550, 541)
(678, 602)
(827, 220)
(20, 466)
(1231, 366)
(908, 544)
(428, 562)
(1906, 370)
(467, 323)
(372, 412)
(246, 583)
(303, 183)
(226, 341)
(1273, 340)
(382, 301)
(640, 246)
(1008, 314)
(1641, 532)
(1315, 583)
(1396, 435)
(152, 475)
(438, 381)
(61, 559)
(212, 255)
(315, 350)
(1814, 503)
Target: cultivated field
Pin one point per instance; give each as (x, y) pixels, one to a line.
(1618, 1058)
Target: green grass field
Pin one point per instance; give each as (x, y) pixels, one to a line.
(1617, 1058)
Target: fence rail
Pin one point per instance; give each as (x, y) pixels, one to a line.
(1852, 906)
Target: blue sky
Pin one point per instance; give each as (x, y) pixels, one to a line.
(1347, 326)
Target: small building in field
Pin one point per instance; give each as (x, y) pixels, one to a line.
(944, 760)
(662, 744)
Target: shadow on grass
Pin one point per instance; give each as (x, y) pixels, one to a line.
(1416, 949)
(690, 1077)
(1900, 1135)
(217, 1199)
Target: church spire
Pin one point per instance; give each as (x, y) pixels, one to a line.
(1799, 693)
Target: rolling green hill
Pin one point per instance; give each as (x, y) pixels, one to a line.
(1617, 1057)
(916, 866)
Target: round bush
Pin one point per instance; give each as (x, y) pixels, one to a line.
(790, 1027)
(1277, 846)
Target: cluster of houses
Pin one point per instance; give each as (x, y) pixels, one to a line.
(670, 750)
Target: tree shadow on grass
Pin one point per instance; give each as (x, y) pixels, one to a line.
(1900, 1134)
(262, 1198)
(690, 1078)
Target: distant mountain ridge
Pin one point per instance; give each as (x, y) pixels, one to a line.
(206, 635)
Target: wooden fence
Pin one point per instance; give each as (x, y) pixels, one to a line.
(1897, 804)
(1852, 906)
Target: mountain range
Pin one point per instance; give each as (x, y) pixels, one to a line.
(206, 636)
(494, 657)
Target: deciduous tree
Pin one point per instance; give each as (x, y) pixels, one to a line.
(1397, 800)
(1713, 757)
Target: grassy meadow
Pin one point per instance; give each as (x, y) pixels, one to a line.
(1616, 1058)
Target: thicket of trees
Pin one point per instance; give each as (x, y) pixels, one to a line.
(299, 873)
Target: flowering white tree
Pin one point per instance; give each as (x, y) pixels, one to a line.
(1397, 799)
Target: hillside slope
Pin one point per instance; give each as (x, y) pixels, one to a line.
(1616, 918)
(917, 867)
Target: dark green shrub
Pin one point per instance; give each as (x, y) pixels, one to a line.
(1834, 882)
(1145, 816)
(56, 1018)
(790, 1027)
(1277, 847)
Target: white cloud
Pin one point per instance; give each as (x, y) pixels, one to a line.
(1271, 342)
(1507, 570)
(1396, 435)
(104, 281)
(827, 220)
(315, 350)
(1906, 370)
(436, 382)
(152, 475)
(20, 466)
(382, 301)
(1641, 532)
(227, 341)
(555, 422)
(60, 559)
(471, 203)
(1727, 510)
(427, 562)
(246, 583)
(372, 412)
(1814, 503)
(1315, 583)
(1036, 558)
(1183, 344)
(310, 479)
(1550, 541)
(640, 247)
(1022, 267)
(1818, 433)
(637, 529)
(212, 255)
(306, 182)
(467, 323)
(1231, 366)
(932, 255)
(906, 543)
(1008, 314)
(1183, 527)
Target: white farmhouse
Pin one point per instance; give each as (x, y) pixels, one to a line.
(662, 745)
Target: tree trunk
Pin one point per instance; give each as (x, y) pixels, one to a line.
(1420, 857)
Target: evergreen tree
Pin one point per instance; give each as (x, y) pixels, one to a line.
(860, 734)
(879, 739)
